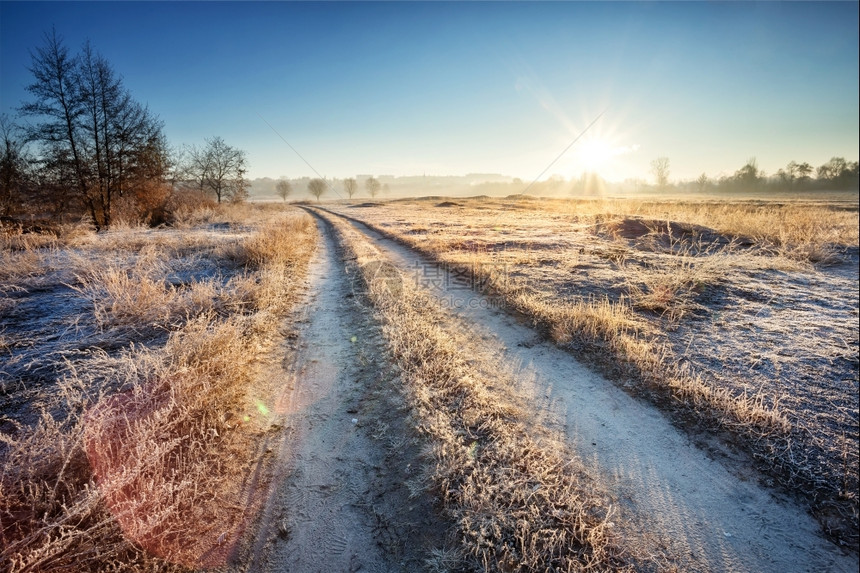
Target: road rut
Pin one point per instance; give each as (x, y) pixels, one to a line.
(338, 502)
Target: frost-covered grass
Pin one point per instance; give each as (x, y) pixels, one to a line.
(131, 408)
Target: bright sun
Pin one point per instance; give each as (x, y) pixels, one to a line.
(594, 154)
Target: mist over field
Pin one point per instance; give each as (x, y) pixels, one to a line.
(588, 185)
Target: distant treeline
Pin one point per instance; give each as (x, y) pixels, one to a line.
(835, 175)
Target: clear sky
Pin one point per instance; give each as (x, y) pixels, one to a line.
(456, 88)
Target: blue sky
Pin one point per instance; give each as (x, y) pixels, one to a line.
(455, 88)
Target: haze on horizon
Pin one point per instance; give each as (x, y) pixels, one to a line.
(448, 89)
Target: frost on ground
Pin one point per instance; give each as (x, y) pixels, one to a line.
(768, 320)
(58, 313)
(135, 444)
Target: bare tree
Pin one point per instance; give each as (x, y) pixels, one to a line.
(702, 182)
(317, 187)
(95, 138)
(179, 159)
(351, 186)
(372, 185)
(660, 169)
(219, 168)
(59, 107)
(284, 188)
(14, 166)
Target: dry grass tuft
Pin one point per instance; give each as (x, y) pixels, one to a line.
(521, 500)
(22, 256)
(138, 296)
(271, 246)
(672, 288)
(155, 475)
(18, 265)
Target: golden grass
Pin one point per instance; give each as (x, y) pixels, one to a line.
(620, 342)
(672, 288)
(521, 500)
(803, 230)
(23, 257)
(17, 265)
(789, 226)
(186, 217)
(157, 474)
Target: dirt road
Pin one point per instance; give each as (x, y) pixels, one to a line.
(340, 502)
(673, 498)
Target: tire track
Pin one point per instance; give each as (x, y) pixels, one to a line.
(335, 484)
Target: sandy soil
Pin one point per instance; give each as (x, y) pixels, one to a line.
(340, 500)
(674, 499)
